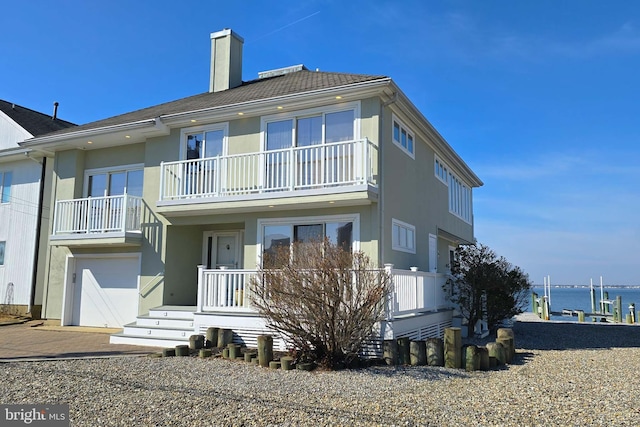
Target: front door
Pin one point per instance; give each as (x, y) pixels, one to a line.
(222, 249)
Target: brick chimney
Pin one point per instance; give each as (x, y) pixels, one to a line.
(226, 60)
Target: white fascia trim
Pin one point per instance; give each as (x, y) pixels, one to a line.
(147, 123)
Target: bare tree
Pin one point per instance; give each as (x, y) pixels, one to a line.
(324, 299)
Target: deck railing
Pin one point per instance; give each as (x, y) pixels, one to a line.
(227, 290)
(416, 291)
(98, 215)
(291, 169)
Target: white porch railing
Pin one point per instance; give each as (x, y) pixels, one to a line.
(416, 291)
(229, 291)
(98, 215)
(291, 169)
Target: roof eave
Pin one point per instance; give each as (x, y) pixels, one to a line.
(88, 133)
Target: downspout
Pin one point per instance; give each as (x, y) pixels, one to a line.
(34, 273)
(381, 259)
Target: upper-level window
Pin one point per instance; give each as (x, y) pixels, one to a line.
(204, 141)
(459, 198)
(114, 181)
(5, 187)
(441, 170)
(2, 245)
(403, 236)
(459, 193)
(308, 128)
(403, 137)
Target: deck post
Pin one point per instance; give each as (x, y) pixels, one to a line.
(200, 296)
(388, 268)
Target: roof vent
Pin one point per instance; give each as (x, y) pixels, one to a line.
(281, 71)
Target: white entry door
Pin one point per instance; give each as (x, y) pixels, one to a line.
(105, 291)
(222, 249)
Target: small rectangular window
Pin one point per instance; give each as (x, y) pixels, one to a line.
(2, 247)
(5, 187)
(403, 236)
(403, 137)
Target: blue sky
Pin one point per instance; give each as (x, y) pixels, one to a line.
(540, 98)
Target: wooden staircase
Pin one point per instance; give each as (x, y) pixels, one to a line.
(164, 326)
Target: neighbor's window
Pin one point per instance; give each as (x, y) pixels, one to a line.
(2, 245)
(5, 187)
(403, 137)
(403, 236)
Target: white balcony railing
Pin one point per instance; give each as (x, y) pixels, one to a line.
(292, 169)
(98, 215)
(230, 291)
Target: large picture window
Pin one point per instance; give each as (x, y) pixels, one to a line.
(340, 231)
(5, 187)
(114, 182)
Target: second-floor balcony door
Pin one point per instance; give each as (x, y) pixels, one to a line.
(106, 209)
(204, 176)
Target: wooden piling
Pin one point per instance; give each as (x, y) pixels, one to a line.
(496, 351)
(404, 350)
(507, 344)
(234, 351)
(265, 350)
(182, 350)
(453, 348)
(508, 333)
(211, 337)
(435, 352)
(286, 363)
(225, 336)
(472, 358)
(580, 315)
(534, 303)
(418, 350)
(390, 352)
(196, 342)
(484, 358)
(204, 353)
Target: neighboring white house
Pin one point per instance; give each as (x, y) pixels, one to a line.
(23, 175)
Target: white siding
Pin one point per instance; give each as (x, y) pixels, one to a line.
(11, 133)
(18, 221)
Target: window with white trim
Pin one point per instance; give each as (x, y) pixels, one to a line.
(459, 198)
(403, 137)
(201, 142)
(126, 179)
(403, 236)
(441, 170)
(5, 187)
(276, 233)
(459, 193)
(311, 127)
(2, 248)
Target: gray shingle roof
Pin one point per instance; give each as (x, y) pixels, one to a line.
(254, 90)
(32, 121)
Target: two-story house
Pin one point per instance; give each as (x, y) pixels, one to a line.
(162, 214)
(24, 175)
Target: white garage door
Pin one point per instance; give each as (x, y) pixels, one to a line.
(106, 291)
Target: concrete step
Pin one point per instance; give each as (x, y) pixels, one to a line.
(146, 341)
(165, 322)
(173, 312)
(134, 329)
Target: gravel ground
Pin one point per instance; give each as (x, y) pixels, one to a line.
(563, 375)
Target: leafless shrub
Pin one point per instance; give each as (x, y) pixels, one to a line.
(322, 298)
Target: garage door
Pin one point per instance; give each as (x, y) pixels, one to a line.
(106, 291)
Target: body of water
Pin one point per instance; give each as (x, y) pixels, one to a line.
(579, 298)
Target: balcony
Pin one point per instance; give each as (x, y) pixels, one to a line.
(335, 169)
(413, 292)
(97, 221)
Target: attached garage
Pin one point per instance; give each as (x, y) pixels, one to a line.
(103, 290)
